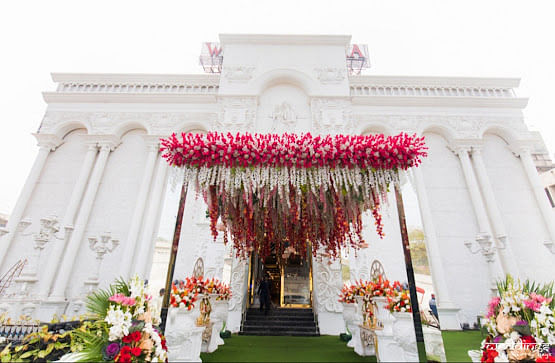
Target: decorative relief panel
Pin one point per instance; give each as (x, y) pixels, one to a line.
(238, 73)
(237, 284)
(331, 116)
(237, 114)
(331, 75)
(328, 285)
(157, 123)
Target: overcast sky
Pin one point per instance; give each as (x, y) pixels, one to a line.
(464, 38)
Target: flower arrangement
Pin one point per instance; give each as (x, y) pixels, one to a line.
(186, 292)
(521, 323)
(123, 329)
(182, 296)
(349, 292)
(399, 302)
(300, 187)
(381, 287)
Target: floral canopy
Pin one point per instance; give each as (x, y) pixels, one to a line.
(275, 192)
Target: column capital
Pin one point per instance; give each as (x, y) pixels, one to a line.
(522, 147)
(153, 142)
(48, 141)
(104, 142)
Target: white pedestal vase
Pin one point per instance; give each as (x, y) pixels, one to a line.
(183, 337)
(434, 343)
(403, 333)
(220, 311)
(357, 340)
(383, 314)
(349, 316)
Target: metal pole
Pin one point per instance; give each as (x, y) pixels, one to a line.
(410, 275)
(173, 256)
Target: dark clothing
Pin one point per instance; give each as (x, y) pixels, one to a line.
(433, 306)
(264, 294)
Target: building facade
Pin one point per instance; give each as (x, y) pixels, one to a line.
(98, 170)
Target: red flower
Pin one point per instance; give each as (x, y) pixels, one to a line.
(136, 351)
(163, 342)
(546, 358)
(124, 358)
(528, 340)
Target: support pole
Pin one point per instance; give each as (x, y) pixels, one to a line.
(410, 275)
(173, 256)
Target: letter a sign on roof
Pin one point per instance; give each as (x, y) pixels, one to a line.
(357, 58)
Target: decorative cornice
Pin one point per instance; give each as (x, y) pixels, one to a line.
(108, 142)
(64, 97)
(429, 101)
(136, 78)
(427, 81)
(48, 141)
(282, 39)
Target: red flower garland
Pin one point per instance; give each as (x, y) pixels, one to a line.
(273, 192)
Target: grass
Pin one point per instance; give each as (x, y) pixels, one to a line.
(458, 343)
(242, 348)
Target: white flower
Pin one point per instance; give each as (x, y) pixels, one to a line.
(502, 357)
(120, 322)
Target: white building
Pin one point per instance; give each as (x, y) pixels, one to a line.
(98, 170)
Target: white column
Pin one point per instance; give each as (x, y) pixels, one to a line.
(494, 267)
(136, 220)
(147, 241)
(55, 256)
(507, 257)
(539, 193)
(106, 144)
(447, 309)
(46, 144)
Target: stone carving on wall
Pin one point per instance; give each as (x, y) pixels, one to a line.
(237, 114)
(283, 115)
(463, 126)
(157, 123)
(237, 284)
(238, 73)
(331, 116)
(329, 284)
(331, 75)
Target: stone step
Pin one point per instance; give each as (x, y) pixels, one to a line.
(248, 327)
(281, 333)
(280, 321)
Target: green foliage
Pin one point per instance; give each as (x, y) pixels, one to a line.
(98, 303)
(90, 337)
(38, 347)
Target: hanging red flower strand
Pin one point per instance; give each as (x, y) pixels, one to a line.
(274, 191)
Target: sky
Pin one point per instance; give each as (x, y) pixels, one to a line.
(430, 38)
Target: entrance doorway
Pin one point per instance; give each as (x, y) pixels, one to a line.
(290, 279)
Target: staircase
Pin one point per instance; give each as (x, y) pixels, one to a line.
(292, 322)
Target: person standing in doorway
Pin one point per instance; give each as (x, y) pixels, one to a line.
(264, 294)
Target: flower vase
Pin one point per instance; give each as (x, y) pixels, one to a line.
(350, 316)
(183, 337)
(404, 335)
(219, 316)
(384, 316)
(205, 306)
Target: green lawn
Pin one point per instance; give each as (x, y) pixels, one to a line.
(241, 348)
(458, 343)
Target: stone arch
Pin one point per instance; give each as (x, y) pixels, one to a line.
(505, 134)
(280, 76)
(447, 133)
(191, 126)
(376, 128)
(124, 128)
(63, 129)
